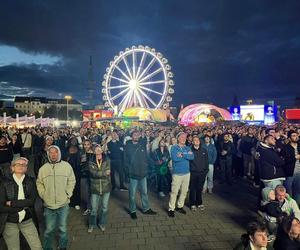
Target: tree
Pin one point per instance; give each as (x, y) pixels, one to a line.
(297, 102)
(235, 101)
(11, 112)
(37, 114)
(51, 112)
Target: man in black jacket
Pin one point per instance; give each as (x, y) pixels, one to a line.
(136, 167)
(226, 149)
(115, 153)
(17, 196)
(291, 153)
(270, 162)
(6, 156)
(199, 170)
(247, 146)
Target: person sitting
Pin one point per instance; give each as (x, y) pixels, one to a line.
(286, 203)
(271, 209)
(288, 235)
(256, 237)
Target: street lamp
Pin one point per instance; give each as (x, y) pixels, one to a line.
(68, 98)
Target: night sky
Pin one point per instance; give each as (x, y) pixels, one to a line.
(217, 49)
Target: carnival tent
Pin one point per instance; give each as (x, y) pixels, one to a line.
(157, 115)
(202, 113)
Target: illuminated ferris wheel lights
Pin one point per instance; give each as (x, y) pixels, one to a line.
(138, 77)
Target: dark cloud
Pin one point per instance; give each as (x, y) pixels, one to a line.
(216, 48)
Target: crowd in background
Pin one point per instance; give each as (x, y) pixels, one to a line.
(80, 168)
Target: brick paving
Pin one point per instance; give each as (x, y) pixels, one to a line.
(219, 226)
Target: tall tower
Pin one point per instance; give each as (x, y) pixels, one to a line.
(91, 85)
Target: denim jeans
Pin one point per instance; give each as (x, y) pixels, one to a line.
(101, 213)
(142, 186)
(56, 219)
(209, 180)
(292, 185)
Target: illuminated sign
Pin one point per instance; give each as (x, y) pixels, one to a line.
(292, 114)
(252, 112)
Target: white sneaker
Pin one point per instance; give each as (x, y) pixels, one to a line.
(77, 207)
(204, 191)
(161, 194)
(193, 208)
(102, 227)
(90, 230)
(210, 191)
(202, 207)
(86, 212)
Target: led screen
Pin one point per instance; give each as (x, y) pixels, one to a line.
(292, 114)
(252, 112)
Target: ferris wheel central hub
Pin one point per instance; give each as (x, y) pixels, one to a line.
(133, 84)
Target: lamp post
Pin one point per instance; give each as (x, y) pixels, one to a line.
(68, 98)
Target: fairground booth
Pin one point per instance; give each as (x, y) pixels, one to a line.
(198, 114)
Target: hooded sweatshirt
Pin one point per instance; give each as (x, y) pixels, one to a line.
(55, 182)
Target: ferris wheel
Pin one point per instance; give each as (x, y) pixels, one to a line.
(138, 77)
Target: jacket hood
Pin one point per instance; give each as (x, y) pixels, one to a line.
(263, 145)
(59, 153)
(265, 193)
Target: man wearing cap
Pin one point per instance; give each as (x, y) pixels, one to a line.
(55, 185)
(17, 196)
(180, 155)
(136, 168)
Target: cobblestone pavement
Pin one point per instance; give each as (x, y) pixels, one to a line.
(219, 226)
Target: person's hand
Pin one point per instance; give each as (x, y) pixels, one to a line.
(107, 172)
(190, 152)
(298, 157)
(179, 155)
(8, 203)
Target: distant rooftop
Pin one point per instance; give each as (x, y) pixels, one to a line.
(44, 100)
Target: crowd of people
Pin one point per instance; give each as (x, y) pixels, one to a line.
(80, 168)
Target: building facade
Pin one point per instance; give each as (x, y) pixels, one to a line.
(30, 105)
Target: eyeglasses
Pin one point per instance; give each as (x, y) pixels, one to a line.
(20, 165)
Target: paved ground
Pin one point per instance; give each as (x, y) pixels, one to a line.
(218, 227)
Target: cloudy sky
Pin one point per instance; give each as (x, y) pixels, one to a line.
(217, 48)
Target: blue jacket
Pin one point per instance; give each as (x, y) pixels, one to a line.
(212, 152)
(181, 165)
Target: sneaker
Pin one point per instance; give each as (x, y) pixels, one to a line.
(271, 238)
(171, 213)
(123, 189)
(102, 228)
(202, 207)
(181, 210)
(150, 212)
(161, 194)
(86, 212)
(133, 216)
(204, 191)
(210, 191)
(90, 230)
(77, 207)
(193, 208)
